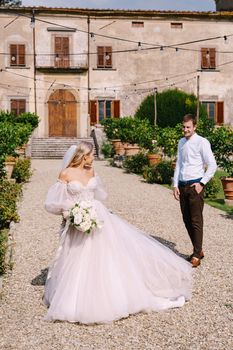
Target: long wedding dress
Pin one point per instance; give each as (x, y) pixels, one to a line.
(112, 272)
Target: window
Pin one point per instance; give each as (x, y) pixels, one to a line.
(176, 25)
(137, 24)
(61, 50)
(101, 109)
(215, 111)
(104, 57)
(18, 106)
(208, 58)
(17, 55)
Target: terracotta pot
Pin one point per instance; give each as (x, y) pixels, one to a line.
(154, 159)
(227, 183)
(131, 150)
(119, 147)
(116, 143)
(9, 166)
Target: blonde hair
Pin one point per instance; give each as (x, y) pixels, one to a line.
(84, 148)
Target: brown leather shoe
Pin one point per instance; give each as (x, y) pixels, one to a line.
(195, 261)
(202, 255)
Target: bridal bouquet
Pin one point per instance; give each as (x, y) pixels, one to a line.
(84, 217)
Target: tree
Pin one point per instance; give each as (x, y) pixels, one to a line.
(10, 3)
(172, 105)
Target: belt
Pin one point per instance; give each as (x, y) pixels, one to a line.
(189, 182)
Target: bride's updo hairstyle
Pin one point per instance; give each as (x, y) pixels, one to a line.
(84, 148)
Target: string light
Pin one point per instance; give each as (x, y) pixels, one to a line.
(139, 45)
(32, 24)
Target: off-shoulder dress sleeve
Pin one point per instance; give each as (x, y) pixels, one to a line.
(58, 198)
(100, 193)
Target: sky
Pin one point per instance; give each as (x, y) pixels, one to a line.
(178, 5)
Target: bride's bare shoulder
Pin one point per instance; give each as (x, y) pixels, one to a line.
(64, 175)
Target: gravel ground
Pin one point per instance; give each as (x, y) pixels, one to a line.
(203, 323)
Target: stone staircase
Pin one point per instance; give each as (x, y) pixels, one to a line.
(53, 147)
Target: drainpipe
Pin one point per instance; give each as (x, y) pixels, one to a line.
(34, 57)
(88, 75)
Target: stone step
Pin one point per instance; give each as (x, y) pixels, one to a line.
(49, 148)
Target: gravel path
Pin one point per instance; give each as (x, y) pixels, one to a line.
(203, 323)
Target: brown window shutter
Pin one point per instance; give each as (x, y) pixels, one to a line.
(220, 113)
(13, 55)
(58, 51)
(22, 106)
(14, 107)
(204, 59)
(93, 111)
(21, 55)
(100, 56)
(65, 51)
(212, 53)
(108, 54)
(116, 109)
(58, 44)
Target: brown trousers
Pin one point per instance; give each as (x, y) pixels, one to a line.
(191, 204)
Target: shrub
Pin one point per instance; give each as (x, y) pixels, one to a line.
(168, 139)
(172, 105)
(9, 194)
(111, 128)
(23, 118)
(221, 140)
(22, 172)
(161, 173)
(136, 163)
(107, 150)
(212, 188)
(3, 249)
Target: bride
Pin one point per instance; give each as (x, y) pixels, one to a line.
(113, 271)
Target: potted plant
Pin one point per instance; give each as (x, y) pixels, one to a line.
(155, 153)
(9, 165)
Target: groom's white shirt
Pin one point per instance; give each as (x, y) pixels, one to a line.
(195, 160)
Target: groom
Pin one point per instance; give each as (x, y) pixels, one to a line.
(195, 166)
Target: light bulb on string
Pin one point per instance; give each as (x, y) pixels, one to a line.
(177, 49)
(139, 45)
(225, 39)
(161, 48)
(32, 24)
(92, 36)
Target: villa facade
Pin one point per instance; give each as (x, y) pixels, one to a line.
(74, 67)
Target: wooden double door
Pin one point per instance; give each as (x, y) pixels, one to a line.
(62, 108)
